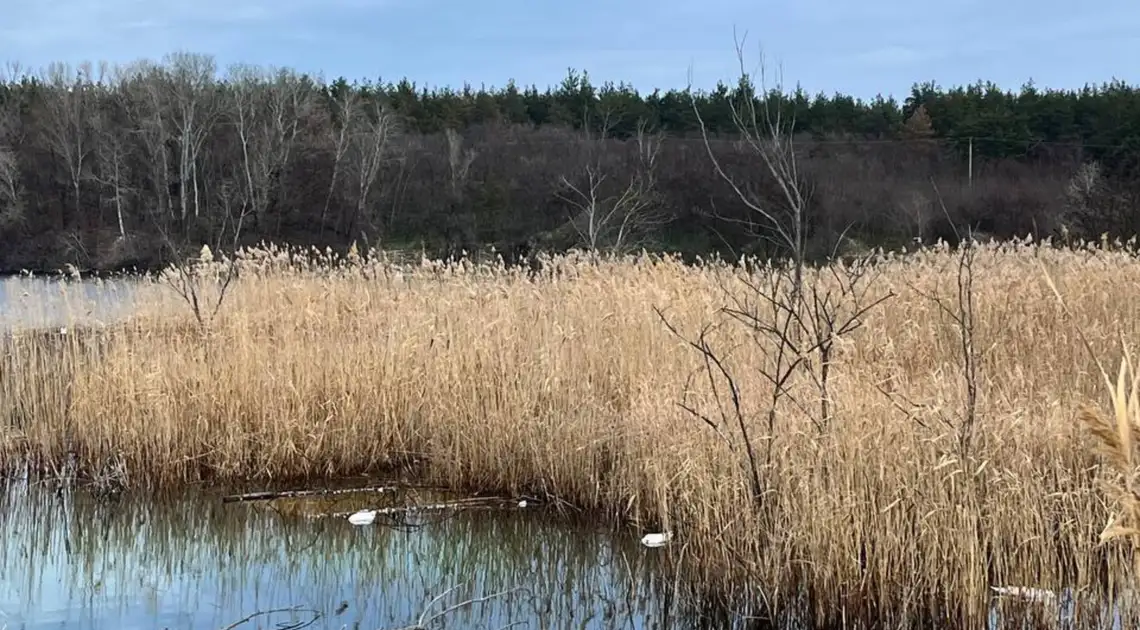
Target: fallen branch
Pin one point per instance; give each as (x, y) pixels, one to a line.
(424, 621)
(289, 494)
(281, 626)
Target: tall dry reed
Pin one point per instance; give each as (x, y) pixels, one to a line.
(569, 385)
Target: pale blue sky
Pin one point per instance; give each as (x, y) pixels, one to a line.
(857, 48)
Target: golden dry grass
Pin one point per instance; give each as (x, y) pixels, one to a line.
(569, 386)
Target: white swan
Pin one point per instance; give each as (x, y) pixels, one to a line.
(363, 517)
(656, 540)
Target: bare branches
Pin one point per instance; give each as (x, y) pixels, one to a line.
(266, 109)
(69, 107)
(794, 316)
(767, 130)
(11, 189)
(459, 161)
(345, 110)
(732, 416)
(610, 215)
(112, 149)
(194, 109)
(962, 315)
(371, 143)
(144, 106)
(11, 185)
(190, 278)
(835, 309)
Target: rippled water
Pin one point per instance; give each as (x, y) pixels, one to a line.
(70, 560)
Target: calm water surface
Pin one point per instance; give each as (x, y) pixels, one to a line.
(52, 302)
(73, 561)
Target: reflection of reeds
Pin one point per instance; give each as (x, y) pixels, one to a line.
(567, 385)
(221, 563)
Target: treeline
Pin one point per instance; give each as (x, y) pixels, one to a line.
(105, 167)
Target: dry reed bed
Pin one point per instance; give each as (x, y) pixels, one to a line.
(569, 385)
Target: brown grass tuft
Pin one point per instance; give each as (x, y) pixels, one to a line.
(569, 386)
(1117, 443)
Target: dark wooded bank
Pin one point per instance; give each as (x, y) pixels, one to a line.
(115, 169)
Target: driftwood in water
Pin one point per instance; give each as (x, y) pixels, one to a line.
(289, 494)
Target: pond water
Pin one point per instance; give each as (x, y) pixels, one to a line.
(71, 560)
(54, 302)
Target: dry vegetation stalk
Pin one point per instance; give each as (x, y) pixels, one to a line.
(568, 384)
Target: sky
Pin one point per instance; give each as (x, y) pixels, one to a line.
(859, 48)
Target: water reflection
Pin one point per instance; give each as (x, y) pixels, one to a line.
(54, 302)
(69, 560)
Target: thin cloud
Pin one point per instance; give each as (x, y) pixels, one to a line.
(82, 26)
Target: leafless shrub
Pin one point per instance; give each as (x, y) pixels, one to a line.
(960, 309)
(201, 282)
(793, 323)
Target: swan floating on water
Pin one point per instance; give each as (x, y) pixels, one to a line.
(656, 540)
(363, 517)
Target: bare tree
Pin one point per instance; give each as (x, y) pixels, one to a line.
(960, 309)
(144, 85)
(614, 215)
(112, 148)
(459, 161)
(193, 107)
(793, 324)
(267, 110)
(69, 132)
(767, 130)
(371, 144)
(11, 186)
(11, 190)
(192, 278)
(345, 109)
